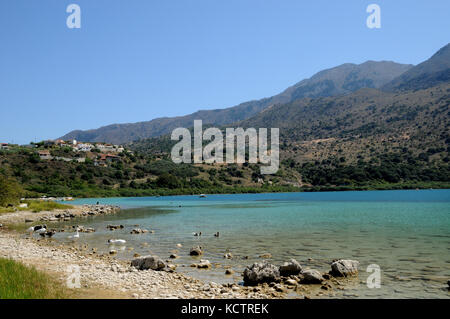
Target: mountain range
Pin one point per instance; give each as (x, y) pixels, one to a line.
(342, 80)
(376, 125)
(394, 126)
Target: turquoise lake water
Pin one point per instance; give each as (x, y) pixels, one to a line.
(406, 233)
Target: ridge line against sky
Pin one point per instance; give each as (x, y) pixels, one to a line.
(140, 60)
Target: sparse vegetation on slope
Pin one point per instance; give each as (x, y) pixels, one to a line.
(343, 79)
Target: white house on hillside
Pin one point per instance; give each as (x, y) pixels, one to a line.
(84, 147)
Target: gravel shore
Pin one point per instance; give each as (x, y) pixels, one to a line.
(106, 272)
(30, 217)
(119, 279)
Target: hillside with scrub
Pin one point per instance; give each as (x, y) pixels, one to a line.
(376, 125)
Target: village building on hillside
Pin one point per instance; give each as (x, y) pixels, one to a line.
(60, 143)
(45, 155)
(4, 146)
(80, 146)
(119, 149)
(109, 148)
(83, 147)
(105, 159)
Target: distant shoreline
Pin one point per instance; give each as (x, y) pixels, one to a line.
(265, 190)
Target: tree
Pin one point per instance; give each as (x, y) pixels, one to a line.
(167, 181)
(10, 191)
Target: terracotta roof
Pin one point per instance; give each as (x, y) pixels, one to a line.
(105, 156)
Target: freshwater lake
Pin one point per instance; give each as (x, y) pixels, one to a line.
(406, 233)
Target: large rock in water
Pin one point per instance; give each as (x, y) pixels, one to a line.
(148, 262)
(344, 268)
(196, 251)
(292, 267)
(260, 273)
(204, 264)
(311, 276)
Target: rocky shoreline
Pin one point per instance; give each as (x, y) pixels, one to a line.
(105, 272)
(152, 277)
(57, 215)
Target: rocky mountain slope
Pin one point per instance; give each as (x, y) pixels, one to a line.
(340, 80)
(432, 72)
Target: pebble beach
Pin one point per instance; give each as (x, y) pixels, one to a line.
(117, 278)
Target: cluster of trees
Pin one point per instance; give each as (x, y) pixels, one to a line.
(10, 191)
(387, 168)
(144, 174)
(133, 175)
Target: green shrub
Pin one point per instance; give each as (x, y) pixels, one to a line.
(10, 191)
(167, 181)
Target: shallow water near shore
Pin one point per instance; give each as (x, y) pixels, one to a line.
(406, 233)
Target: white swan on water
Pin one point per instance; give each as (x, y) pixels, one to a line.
(77, 235)
(116, 241)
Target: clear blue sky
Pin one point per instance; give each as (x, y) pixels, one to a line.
(136, 60)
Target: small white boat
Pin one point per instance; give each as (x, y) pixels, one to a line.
(202, 196)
